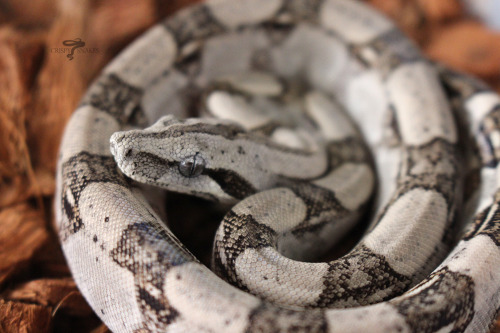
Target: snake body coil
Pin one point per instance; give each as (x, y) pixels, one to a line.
(277, 76)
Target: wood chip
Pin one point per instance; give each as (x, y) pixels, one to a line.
(406, 14)
(28, 13)
(441, 10)
(22, 233)
(59, 294)
(19, 317)
(101, 329)
(16, 173)
(467, 46)
(496, 328)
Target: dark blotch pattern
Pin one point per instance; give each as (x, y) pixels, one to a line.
(196, 24)
(428, 167)
(396, 49)
(268, 318)
(231, 182)
(351, 149)
(236, 229)
(362, 277)
(150, 166)
(144, 244)
(78, 172)
(302, 9)
(142, 250)
(321, 204)
(448, 298)
(116, 97)
(436, 155)
(486, 226)
(490, 124)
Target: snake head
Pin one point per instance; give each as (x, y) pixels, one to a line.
(195, 156)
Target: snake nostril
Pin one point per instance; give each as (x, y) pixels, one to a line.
(118, 137)
(128, 152)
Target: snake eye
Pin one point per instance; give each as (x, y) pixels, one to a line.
(192, 166)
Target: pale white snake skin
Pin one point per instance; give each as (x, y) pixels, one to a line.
(139, 278)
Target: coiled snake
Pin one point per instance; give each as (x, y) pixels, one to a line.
(275, 77)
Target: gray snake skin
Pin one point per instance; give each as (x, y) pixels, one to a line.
(285, 112)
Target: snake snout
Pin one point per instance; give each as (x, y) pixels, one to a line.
(112, 148)
(114, 141)
(119, 148)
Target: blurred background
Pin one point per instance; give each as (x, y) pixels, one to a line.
(40, 87)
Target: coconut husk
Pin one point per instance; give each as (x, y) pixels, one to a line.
(40, 87)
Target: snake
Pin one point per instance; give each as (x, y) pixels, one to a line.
(301, 120)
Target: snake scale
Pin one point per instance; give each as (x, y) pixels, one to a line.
(284, 111)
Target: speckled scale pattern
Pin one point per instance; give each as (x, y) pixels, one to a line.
(295, 179)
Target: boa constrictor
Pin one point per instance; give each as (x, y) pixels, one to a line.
(302, 180)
